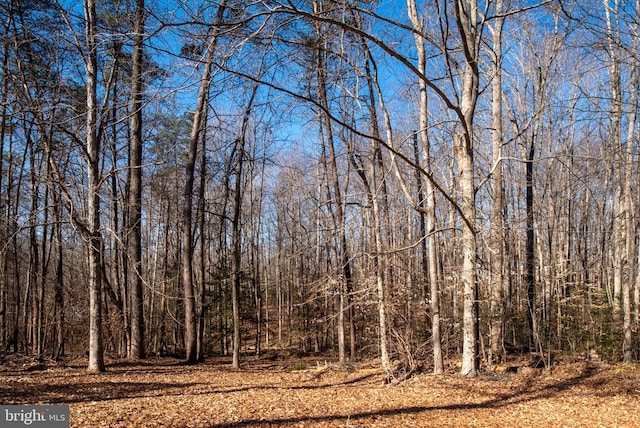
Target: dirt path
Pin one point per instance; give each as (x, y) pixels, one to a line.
(164, 394)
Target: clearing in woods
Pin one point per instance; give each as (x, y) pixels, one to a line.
(303, 392)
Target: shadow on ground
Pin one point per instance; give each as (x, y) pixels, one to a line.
(522, 394)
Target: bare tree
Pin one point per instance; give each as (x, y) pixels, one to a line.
(496, 244)
(93, 236)
(628, 203)
(191, 331)
(430, 208)
(240, 149)
(376, 174)
(137, 343)
(467, 19)
(345, 284)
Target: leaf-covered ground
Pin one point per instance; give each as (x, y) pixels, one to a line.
(163, 393)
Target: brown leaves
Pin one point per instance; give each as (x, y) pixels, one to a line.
(164, 394)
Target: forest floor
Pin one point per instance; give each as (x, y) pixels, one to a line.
(309, 392)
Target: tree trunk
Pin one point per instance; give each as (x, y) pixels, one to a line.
(191, 331)
(496, 240)
(380, 259)
(468, 277)
(93, 235)
(161, 341)
(430, 208)
(30, 308)
(46, 249)
(369, 177)
(466, 17)
(237, 231)
(530, 253)
(4, 219)
(59, 306)
(344, 286)
(613, 46)
(630, 226)
(202, 266)
(137, 343)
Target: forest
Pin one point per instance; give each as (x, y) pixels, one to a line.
(428, 184)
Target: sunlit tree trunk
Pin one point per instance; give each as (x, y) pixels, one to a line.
(623, 225)
(344, 285)
(257, 258)
(191, 331)
(630, 224)
(466, 12)
(613, 43)
(496, 240)
(237, 230)
(374, 181)
(369, 176)
(93, 235)
(237, 253)
(430, 201)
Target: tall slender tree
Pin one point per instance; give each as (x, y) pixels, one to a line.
(345, 284)
(468, 22)
(496, 240)
(93, 235)
(241, 144)
(429, 208)
(134, 240)
(199, 120)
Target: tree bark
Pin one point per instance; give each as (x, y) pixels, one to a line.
(630, 226)
(137, 342)
(496, 240)
(4, 219)
(191, 331)
(530, 253)
(466, 12)
(613, 43)
(344, 286)
(377, 181)
(202, 266)
(93, 235)
(237, 230)
(430, 208)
